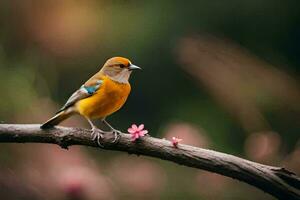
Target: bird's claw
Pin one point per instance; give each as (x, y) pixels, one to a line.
(116, 135)
(97, 134)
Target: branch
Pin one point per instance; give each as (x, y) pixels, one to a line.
(276, 181)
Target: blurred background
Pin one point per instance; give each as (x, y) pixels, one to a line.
(222, 75)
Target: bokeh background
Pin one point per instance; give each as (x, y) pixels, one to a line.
(222, 75)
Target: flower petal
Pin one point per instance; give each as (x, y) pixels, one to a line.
(144, 132)
(175, 141)
(134, 126)
(131, 130)
(141, 127)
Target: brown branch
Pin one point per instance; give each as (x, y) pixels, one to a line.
(276, 181)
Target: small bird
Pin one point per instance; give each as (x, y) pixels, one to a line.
(100, 96)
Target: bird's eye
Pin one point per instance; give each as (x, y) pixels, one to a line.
(122, 66)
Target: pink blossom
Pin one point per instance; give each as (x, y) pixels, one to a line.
(175, 141)
(137, 131)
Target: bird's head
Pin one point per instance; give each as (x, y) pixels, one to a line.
(118, 69)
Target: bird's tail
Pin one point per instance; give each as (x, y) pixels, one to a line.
(59, 117)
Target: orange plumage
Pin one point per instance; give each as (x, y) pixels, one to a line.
(103, 94)
(107, 100)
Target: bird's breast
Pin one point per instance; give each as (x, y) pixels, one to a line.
(108, 99)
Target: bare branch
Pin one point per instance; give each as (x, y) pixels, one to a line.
(276, 181)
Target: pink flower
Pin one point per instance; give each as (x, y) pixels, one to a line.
(137, 131)
(175, 141)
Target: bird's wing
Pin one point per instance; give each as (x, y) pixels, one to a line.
(85, 91)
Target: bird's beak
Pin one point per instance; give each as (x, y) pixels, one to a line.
(133, 67)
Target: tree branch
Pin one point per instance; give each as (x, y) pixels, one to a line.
(276, 181)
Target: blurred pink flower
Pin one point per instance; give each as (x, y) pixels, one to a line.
(175, 141)
(263, 146)
(193, 135)
(210, 185)
(137, 131)
(147, 179)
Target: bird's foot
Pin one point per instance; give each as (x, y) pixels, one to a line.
(113, 131)
(97, 134)
(116, 135)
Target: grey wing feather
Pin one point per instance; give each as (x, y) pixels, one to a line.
(82, 93)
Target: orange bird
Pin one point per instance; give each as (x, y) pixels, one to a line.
(100, 96)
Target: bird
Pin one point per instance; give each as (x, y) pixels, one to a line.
(99, 97)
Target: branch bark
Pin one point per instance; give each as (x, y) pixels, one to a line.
(276, 181)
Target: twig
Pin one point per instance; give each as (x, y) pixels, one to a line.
(276, 181)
